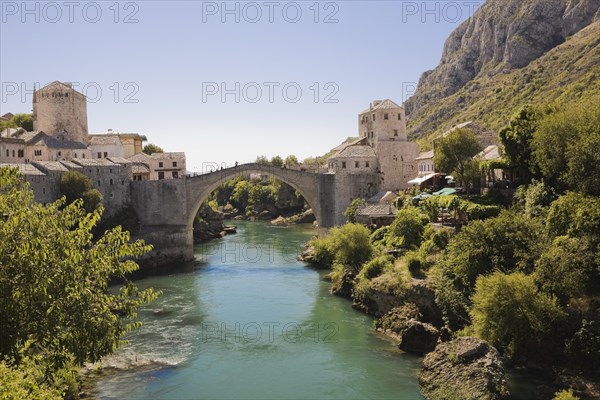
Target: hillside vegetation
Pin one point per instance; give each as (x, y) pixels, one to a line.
(507, 55)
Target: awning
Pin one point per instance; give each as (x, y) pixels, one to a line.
(421, 196)
(419, 180)
(445, 192)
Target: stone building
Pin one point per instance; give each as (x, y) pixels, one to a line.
(383, 124)
(60, 109)
(41, 147)
(111, 179)
(42, 185)
(381, 159)
(160, 165)
(115, 144)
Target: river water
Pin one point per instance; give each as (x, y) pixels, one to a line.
(251, 322)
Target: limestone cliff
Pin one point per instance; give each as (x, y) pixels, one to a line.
(503, 36)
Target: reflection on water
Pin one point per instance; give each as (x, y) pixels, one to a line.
(253, 323)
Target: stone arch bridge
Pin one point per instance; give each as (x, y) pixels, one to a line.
(166, 208)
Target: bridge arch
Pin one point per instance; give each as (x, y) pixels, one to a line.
(198, 188)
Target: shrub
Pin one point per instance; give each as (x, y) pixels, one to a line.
(512, 315)
(375, 267)
(413, 263)
(506, 243)
(407, 228)
(348, 245)
(565, 395)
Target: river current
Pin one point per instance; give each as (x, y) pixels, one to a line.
(251, 322)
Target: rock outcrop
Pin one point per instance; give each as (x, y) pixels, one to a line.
(404, 324)
(208, 224)
(377, 300)
(502, 33)
(502, 36)
(465, 368)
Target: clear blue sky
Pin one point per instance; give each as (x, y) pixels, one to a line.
(158, 68)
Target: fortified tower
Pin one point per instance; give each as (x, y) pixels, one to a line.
(383, 124)
(60, 111)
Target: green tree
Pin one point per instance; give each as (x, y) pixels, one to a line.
(24, 121)
(350, 212)
(565, 147)
(348, 246)
(74, 185)
(453, 152)
(516, 140)
(262, 160)
(54, 279)
(576, 215)
(291, 161)
(511, 314)
(407, 228)
(567, 269)
(151, 148)
(277, 161)
(505, 243)
(240, 194)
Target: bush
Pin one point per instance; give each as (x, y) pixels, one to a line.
(576, 215)
(375, 267)
(348, 245)
(506, 243)
(25, 383)
(565, 395)
(350, 212)
(566, 269)
(413, 263)
(407, 228)
(512, 315)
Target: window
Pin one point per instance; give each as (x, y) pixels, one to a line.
(399, 117)
(385, 116)
(13, 153)
(99, 155)
(161, 175)
(343, 164)
(160, 164)
(37, 152)
(175, 174)
(356, 164)
(98, 183)
(105, 154)
(75, 155)
(21, 153)
(44, 190)
(83, 155)
(396, 132)
(373, 117)
(174, 163)
(110, 170)
(111, 181)
(367, 164)
(59, 153)
(7, 153)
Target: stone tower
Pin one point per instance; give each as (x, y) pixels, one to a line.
(60, 111)
(384, 126)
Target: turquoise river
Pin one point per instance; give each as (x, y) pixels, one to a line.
(251, 322)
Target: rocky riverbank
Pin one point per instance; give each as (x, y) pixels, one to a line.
(209, 224)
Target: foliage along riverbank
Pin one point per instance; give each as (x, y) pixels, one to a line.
(56, 310)
(526, 281)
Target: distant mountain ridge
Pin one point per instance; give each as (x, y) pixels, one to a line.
(508, 53)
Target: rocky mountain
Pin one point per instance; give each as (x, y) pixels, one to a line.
(508, 53)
